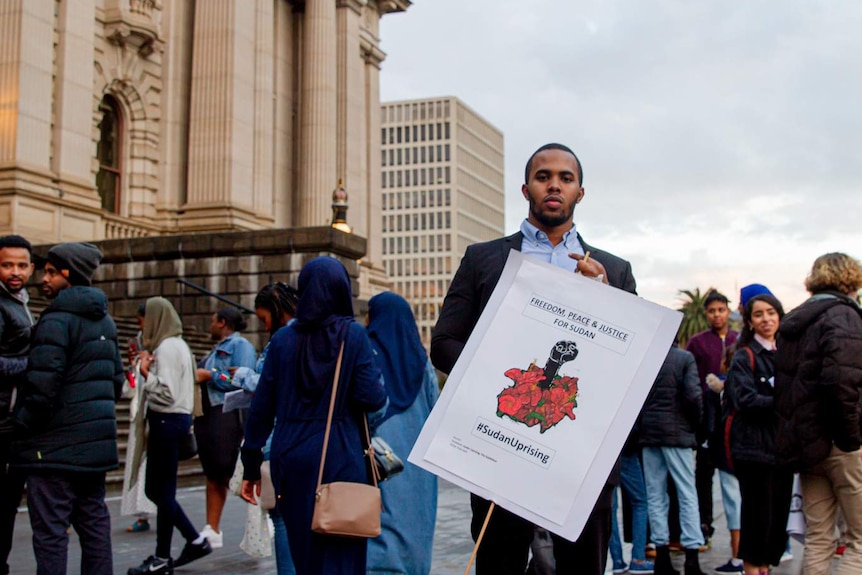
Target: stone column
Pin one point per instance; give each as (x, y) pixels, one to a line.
(285, 124)
(351, 142)
(178, 29)
(373, 209)
(221, 118)
(73, 95)
(317, 163)
(26, 60)
(263, 107)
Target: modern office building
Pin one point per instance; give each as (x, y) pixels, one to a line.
(442, 190)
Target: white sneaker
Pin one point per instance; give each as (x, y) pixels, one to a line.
(215, 538)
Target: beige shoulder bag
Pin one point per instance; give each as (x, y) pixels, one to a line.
(343, 507)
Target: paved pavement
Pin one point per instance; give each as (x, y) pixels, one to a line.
(452, 543)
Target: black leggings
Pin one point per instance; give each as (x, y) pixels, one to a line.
(766, 491)
(166, 430)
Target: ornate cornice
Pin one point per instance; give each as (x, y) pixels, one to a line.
(370, 52)
(355, 5)
(389, 6)
(134, 23)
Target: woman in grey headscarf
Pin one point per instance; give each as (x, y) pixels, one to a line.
(169, 381)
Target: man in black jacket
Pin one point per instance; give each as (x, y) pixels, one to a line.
(668, 422)
(553, 187)
(16, 268)
(66, 426)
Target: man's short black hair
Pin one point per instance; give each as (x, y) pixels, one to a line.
(232, 317)
(554, 146)
(14, 241)
(714, 296)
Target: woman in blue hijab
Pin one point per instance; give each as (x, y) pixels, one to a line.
(293, 393)
(410, 498)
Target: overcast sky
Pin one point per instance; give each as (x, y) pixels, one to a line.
(721, 141)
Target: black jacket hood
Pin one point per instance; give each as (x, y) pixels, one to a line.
(794, 324)
(88, 302)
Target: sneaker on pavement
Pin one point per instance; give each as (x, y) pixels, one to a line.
(138, 526)
(193, 552)
(729, 567)
(644, 566)
(786, 556)
(154, 565)
(216, 538)
(839, 551)
(620, 567)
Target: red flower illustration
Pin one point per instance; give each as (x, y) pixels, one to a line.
(532, 404)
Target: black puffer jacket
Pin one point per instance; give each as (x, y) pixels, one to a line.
(15, 325)
(674, 406)
(748, 395)
(65, 413)
(819, 380)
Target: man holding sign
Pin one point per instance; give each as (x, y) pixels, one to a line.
(553, 187)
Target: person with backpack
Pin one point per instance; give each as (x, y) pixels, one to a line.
(749, 427)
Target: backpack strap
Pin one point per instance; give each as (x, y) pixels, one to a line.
(750, 356)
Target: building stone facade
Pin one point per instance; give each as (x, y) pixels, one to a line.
(136, 118)
(443, 189)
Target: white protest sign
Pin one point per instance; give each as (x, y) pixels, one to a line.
(544, 449)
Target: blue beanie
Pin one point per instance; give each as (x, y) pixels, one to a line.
(749, 291)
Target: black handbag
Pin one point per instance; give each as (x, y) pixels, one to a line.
(388, 464)
(188, 446)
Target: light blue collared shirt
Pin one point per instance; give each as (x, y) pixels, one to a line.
(537, 244)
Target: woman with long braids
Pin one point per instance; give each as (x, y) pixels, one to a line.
(275, 306)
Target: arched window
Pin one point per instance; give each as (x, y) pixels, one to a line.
(109, 177)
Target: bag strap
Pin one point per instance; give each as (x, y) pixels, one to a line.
(750, 355)
(370, 451)
(329, 416)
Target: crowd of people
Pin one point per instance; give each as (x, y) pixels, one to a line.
(63, 375)
(782, 397)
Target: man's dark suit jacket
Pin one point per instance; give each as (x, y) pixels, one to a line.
(475, 280)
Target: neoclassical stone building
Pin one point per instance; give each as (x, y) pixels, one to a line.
(135, 118)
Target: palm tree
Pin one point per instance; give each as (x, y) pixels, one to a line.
(694, 317)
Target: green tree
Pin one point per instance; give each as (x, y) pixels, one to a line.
(693, 315)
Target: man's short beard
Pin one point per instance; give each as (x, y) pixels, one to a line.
(548, 220)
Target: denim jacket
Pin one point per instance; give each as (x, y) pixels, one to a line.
(232, 351)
